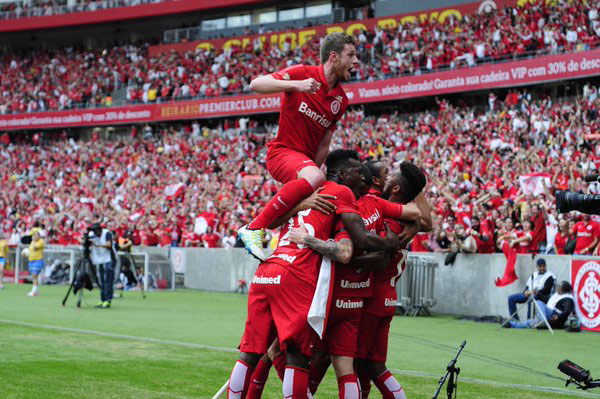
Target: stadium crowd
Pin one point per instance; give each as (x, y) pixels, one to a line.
(189, 185)
(39, 8)
(71, 77)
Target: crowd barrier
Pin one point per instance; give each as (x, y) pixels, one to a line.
(465, 288)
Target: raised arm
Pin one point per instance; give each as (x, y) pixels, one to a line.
(267, 84)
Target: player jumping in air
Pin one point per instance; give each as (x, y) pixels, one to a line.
(313, 102)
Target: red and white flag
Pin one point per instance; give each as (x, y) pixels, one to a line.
(174, 190)
(509, 276)
(534, 183)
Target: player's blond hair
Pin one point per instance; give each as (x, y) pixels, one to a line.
(334, 42)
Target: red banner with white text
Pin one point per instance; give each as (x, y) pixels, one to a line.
(490, 76)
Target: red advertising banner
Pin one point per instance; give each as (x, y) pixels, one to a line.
(301, 36)
(181, 110)
(585, 278)
(535, 70)
(490, 76)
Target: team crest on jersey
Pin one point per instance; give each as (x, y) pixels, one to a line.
(286, 76)
(335, 106)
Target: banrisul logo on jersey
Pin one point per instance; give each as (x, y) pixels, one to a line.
(585, 275)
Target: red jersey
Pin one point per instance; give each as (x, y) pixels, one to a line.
(385, 297)
(304, 118)
(559, 243)
(211, 240)
(347, 281)
(524, 247)
(418, 242)
(586, 234)
(303, 261)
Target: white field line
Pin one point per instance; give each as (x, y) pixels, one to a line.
(557, 391)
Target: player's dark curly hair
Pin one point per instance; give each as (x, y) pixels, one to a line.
(339, 159)
(411, 179)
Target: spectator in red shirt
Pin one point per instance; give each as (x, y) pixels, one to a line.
(210, 239)
(588, 235)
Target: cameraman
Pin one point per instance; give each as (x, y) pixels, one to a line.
(102, 256)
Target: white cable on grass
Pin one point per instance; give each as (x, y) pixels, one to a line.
(222, 390)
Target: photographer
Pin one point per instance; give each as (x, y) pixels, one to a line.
(103, 258)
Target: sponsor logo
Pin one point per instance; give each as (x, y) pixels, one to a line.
(320, 119)
(286, 76)
(355, 285)
(287, 258)
(335, 106)
(348, 304)
(372, 219)
(266, 280)
(390, 302)
(280, 200)
(587, 294)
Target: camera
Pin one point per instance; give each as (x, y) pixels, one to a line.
(567, 201)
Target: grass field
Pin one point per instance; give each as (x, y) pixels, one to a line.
(181, 345)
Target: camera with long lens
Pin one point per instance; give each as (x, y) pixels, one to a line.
(578, 375)
(567, 201)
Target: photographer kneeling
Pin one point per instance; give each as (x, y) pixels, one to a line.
(103, 258)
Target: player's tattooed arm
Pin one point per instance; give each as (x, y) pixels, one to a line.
(340, 251)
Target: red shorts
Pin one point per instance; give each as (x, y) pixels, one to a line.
(341, 333)
(373, 338)
(278, 304)
(284, 164)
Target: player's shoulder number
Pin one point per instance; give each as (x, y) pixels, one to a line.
(309, 228)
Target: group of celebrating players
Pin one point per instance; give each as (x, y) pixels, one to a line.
(327, 293)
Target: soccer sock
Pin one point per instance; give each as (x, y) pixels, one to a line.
(295, 383)
(259, 379)
(315, 376)
(35, 288)
(348, 387)
(365, 381)
(285, 199)
(279, 363)
(239, 380)
(389, 386)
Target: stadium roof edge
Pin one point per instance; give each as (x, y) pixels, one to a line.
(117, 14)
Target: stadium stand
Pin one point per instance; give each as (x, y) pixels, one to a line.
(71, 78)
(169, 180)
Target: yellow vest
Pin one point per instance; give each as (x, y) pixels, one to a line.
(36, 250)
(3, 249)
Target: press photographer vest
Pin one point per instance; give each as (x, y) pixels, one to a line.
(100, 255)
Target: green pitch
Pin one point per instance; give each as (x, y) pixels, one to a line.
(182, 345)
